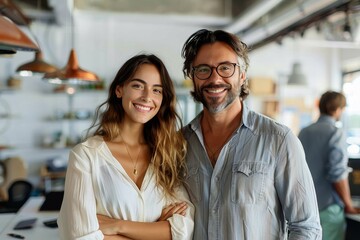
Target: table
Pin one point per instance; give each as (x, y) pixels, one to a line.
(30, 210)
(5, 218)
(353, 222)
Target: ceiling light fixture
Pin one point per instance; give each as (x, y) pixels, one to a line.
(297, 77)
(71, 74)
(36, 67)
(12, 38)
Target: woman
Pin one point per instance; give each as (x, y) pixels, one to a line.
(125, 181)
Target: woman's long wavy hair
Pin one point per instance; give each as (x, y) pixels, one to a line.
(167, 144)
(204, 36)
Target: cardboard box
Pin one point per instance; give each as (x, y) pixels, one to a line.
(262, 86)
(271, 108)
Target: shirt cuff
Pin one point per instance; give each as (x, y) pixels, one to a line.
(181, 227)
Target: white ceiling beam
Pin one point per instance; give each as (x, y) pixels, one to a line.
(258, 10)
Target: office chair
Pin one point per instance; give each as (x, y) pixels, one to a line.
(14, 169)
(19, 192)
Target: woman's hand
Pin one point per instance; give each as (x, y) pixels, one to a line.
(174, 208)
(107, 225)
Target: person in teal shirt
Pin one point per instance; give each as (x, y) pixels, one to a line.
(325, 150)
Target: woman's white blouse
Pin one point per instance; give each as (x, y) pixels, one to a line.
(96, 183)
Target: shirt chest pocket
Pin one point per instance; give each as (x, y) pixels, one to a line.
(248, 182)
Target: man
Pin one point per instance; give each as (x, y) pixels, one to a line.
(247, 175)
(326, 156)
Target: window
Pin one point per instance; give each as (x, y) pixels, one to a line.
(351, 89)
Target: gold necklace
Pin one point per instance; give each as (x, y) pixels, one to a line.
(135, 172)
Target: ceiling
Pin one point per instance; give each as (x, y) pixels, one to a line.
(257, 22)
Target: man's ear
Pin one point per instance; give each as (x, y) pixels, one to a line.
(243, 75)
(119, 91)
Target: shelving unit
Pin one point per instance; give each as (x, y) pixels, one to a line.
(73, 118)
(33, 110)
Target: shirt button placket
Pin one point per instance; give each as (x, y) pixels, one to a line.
(213, 208)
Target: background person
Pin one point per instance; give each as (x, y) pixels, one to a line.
(247, 174)
(124, 182)
(325, 150)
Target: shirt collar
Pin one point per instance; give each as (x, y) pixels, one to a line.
(326, 118)
(247, 120)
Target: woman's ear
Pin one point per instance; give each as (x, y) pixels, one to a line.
(118, 91)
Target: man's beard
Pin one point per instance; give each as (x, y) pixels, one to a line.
(212, 104)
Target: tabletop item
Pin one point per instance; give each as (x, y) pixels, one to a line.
(52, 223)
(16, 236)
(25, 224)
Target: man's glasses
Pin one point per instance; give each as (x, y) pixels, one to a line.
(224, 70)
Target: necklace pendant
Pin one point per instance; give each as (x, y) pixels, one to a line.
(135, 171)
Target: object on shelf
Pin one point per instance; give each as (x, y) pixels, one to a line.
(262, 86)
(4, 147)
(53, 180)
(81, 114)
(56, 164)
(98, 86)
(54, 140)
(271, 108)
(14, 83)
(187, 83)
(59, 139)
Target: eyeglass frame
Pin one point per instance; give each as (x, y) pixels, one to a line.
(216, 69)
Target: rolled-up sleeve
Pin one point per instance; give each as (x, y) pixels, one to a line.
(182, 227)
(77, 217)
(337, 165)
(296, 191)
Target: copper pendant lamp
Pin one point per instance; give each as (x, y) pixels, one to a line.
(71, 74)
(13, 39)
(36, 67)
